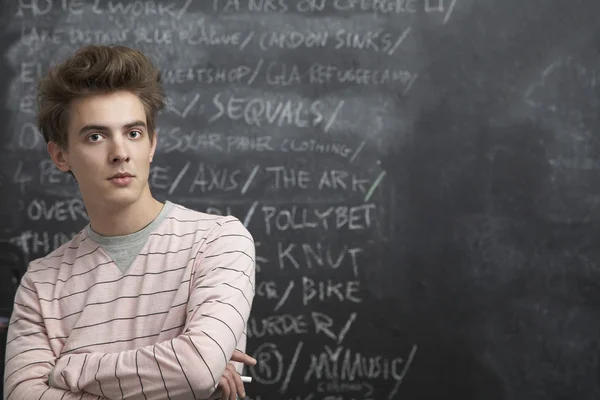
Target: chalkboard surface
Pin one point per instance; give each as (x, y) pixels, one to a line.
(421, 178)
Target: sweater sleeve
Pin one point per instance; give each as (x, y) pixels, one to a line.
(190, 365)
(29, 357)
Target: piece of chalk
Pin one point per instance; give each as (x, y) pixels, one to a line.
(246, 379)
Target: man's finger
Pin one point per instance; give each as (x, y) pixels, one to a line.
(225, 390)
(239, 385)
(232, 389)
(238, 356)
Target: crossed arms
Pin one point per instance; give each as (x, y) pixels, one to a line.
(188, 366)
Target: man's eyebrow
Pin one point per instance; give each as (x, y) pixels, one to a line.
(104, 128)
(92, 127)
(134, 124)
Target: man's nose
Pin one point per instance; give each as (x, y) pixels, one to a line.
(119, 152)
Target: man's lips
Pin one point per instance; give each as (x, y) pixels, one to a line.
(121, 175)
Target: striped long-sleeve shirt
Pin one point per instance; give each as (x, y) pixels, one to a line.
(163, 329)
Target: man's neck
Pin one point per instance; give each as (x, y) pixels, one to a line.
(127, 220)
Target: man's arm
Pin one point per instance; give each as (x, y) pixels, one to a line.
(29, 357)
(192, 363)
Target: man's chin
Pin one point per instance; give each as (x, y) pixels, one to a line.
(116, 199)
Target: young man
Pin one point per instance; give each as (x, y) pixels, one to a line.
(148, 301)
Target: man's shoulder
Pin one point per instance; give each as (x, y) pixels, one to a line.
(65, 254)
(181, 215)
(185, 219)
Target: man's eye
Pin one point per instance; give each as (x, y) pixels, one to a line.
(95, 137)
(135, 134)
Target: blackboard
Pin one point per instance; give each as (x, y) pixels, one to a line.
(421, 178)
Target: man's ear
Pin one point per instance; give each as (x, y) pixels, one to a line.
(153, 146)
(58, 155)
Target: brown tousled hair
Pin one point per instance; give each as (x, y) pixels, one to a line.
(94, 70)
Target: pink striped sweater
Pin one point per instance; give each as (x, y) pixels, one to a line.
(164, 329)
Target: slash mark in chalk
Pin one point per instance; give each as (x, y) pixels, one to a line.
(374, 186)
(183, 9)
(449, 12)
(250, 179)
(247, 40)
(410, 84)
(189, 107)
(250, 213)
(290, 371)
(256, 71)
(407, 365)
(399, 41)
(346, 328)
(285, 296)
(357, 151)
(178, 178)
(334, 115)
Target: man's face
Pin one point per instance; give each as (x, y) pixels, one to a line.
(109, 150)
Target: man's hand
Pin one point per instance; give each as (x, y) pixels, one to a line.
(231, 384)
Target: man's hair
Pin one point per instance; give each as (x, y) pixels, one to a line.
(97, 70)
